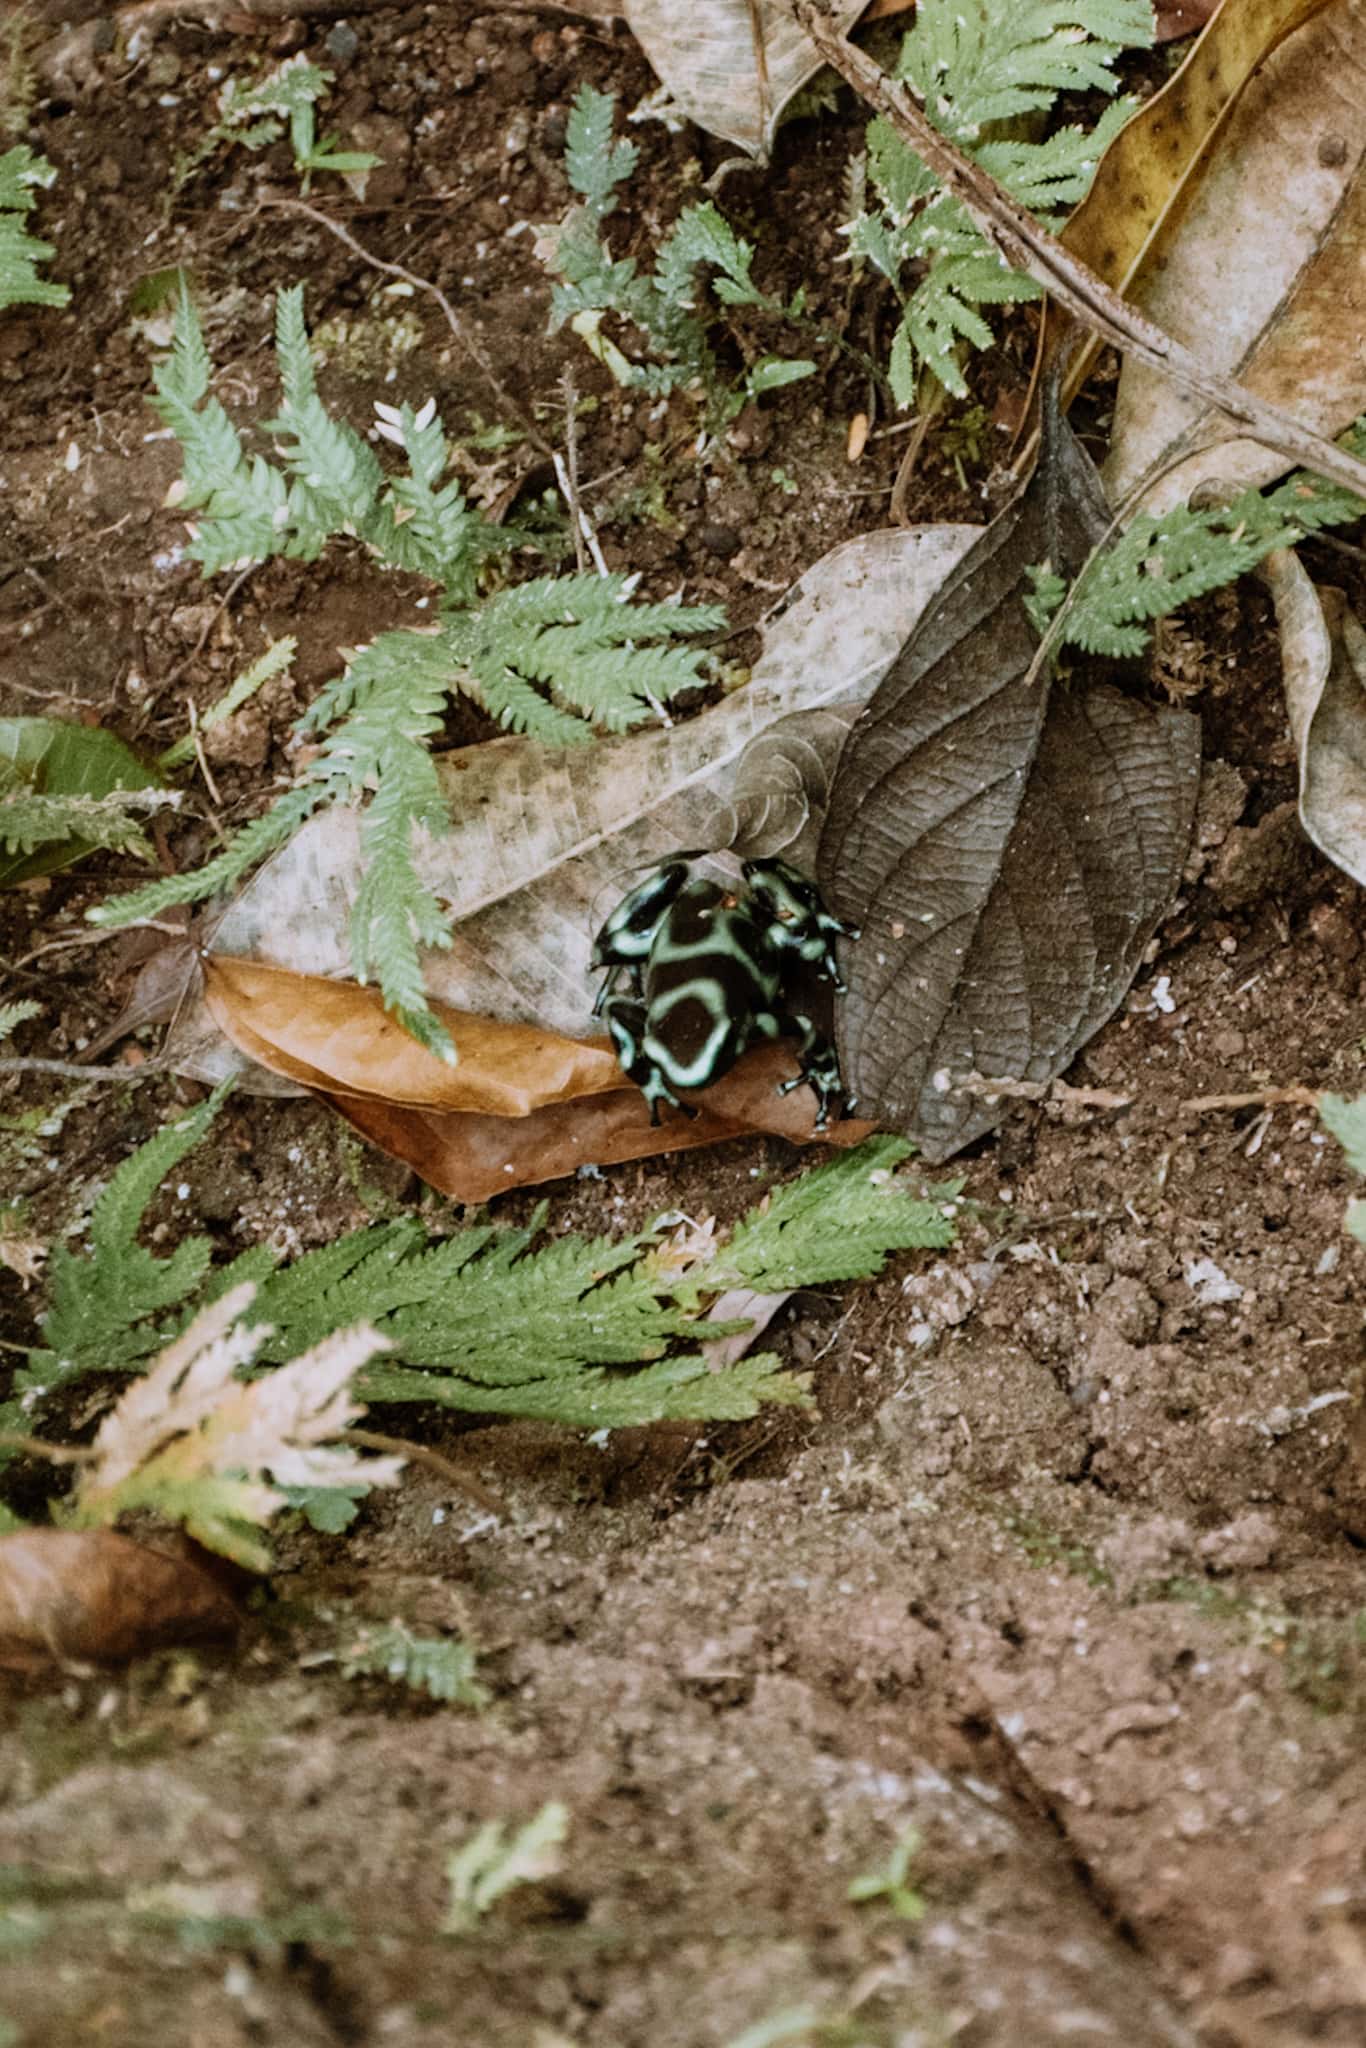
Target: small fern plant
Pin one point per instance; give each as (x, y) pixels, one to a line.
(667, 307)
(590, 1333)
(980, 71)
(1160, 563)
(558, 657)
(22, 176)
(257, 115)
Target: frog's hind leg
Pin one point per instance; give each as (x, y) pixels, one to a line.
(626, 1025)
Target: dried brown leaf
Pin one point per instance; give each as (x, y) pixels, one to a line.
(1006, 845)
(90, 1596)
(1323, 663)
(1232, 211)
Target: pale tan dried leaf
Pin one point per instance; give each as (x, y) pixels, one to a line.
(176, 1394)
(1323, 664)
(731, 65)
(1261, 268)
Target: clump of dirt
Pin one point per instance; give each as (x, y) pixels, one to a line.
(1064, 1575)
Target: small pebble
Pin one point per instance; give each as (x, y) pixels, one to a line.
(341, 42)
(720, 540)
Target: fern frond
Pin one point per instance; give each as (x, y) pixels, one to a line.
(595, 164)
(431, 528)
(485, 1320)
(395, 913)
(838, 1222)
(973, 65)
(104, 1307)
(976, 67)
(21, 252)
(28, 820)
(442, 1666)
(248, 846)
(1159, 564)
(580, 638)
(701, 235)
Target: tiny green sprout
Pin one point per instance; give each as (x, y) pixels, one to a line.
(889, 1883)
(495, 1860)
(786, 484)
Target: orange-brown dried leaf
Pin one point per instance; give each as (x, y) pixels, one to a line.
(473, 1158)
(521, 1105)
(338, 1037)
(94, 1597)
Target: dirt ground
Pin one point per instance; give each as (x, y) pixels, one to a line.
(1065, 1573)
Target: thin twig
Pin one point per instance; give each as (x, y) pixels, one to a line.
(420, 1454)
(56, 1454)
(1256, 1098)
(1024, 245)
(424, 284)
(70, 1070)
(567, 472)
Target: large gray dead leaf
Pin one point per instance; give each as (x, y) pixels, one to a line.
(1323, 663)
(1264, 274)
(1006, 846)
(731, 65)
(545, 839)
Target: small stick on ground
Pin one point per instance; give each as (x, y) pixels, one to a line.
(462, 334)
(70, 1070)
(1256, 1098)
(567, 476)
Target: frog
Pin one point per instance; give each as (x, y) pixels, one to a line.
(706, 970)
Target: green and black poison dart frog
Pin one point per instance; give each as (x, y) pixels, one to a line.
(707, 975)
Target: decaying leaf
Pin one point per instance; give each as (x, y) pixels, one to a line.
(92, 1596)
(1232, 210)
(558, 1103)
(1323, 663)
(1006, 846)
(731, 65)
(546, 840)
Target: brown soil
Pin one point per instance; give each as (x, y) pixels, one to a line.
(1064, 1575)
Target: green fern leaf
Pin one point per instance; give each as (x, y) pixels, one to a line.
(20, 252)
(106, 1310)
(438, 1665)
(976, 67)
(226, 869)
(703, 235)
(596, 164)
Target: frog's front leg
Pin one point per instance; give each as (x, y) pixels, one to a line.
(820, 1067)
(627, 1023)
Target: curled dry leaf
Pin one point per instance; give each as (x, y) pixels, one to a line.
(545, 840)
(1007, 846)
(562, 1103)
(731, 65)
(91, 1596)
(1323, 663)
(1232, 210)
